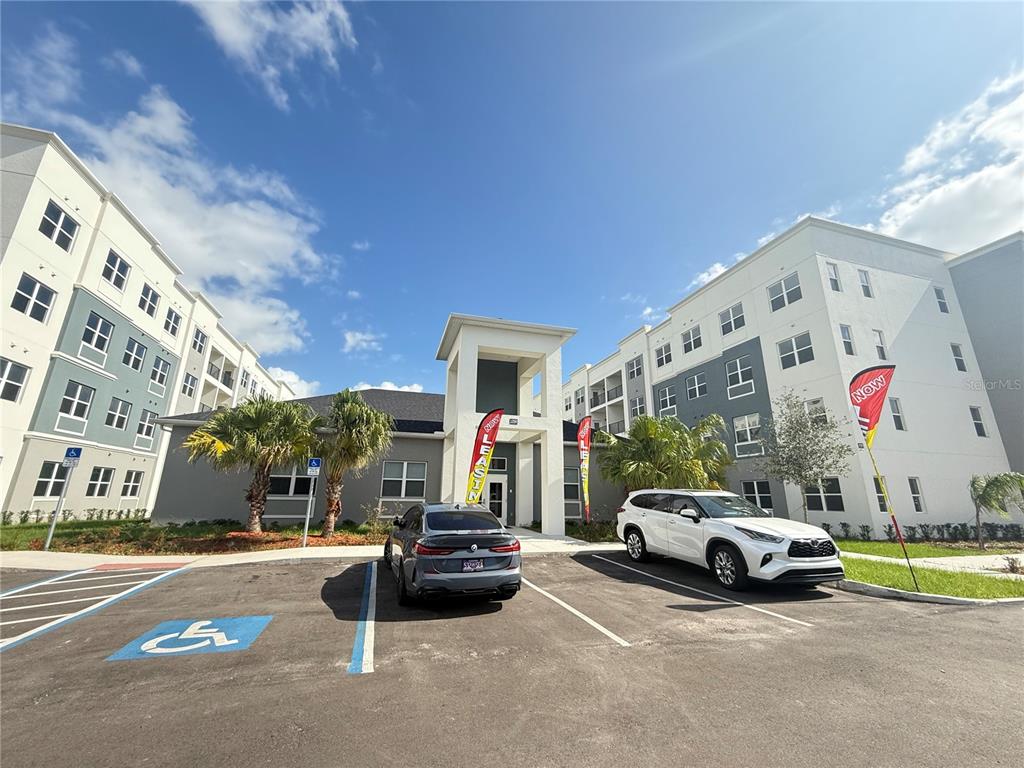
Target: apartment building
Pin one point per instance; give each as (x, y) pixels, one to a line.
(100, 338)
(804, 313)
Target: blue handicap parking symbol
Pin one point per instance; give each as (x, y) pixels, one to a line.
(314, 463)
(185, 637)
(73, 453)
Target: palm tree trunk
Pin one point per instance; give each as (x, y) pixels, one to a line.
(977, 525)
(256, 495)
(332, 490)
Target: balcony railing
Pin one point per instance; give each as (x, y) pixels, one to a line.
(213, 370)
(617, 427)
(614, 392)
(596, 399)
(227, 380)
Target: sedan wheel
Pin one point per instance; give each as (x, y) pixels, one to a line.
(729, 568)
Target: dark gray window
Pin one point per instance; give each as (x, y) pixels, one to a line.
(739, 377)
(979, 423)
(940, 299)
(958, 357)
(833, 277)
(898, 419)
(663, 355)
(199, 341)
(825, 497)
(572, 483)
(691, 339)
(149, 300)
(77, 399)
(97, 333)
(188, 386)
(117, 413)
(132, 484)
(58, 226)
(99, 481)
(12, 379)
(880, 349)
(880, 495)
(667, 401)
(696, 386)
(32, 298)
(134, 355)
(634, 367)
(865, 283)
(171, 322)
(52, 476)
(404, 480)
(784, 292)
(731, 319)
(748, 435)
(847, 335)
(796, 351)
(158, 376)
(115, 271)
(759, 493)
(637, 406)
(915, 493)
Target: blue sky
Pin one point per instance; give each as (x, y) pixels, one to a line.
(340, 178)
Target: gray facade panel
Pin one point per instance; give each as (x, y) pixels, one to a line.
(497, 386)
(605, 497)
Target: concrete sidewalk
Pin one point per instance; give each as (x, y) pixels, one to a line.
(988, 565)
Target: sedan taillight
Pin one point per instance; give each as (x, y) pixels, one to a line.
(423, 549)
(513, 547)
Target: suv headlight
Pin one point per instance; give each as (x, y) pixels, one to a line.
(758, 536)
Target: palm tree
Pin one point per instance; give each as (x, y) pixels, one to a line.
(664, 453)
(257, 435)
(353, 435)
(994, 493)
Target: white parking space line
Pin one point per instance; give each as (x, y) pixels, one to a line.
(603, 630)
(111, 576)
(35, 618)
(712, 595)
(59, 602)
(72, 589)
(24, 587)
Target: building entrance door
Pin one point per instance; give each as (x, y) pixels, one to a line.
(497, 497)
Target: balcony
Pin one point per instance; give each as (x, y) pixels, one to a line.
(596, 399)
(614, 393)
(213, 371)
(617, 427)
(227, 380)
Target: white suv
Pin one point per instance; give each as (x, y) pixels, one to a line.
(727, 534)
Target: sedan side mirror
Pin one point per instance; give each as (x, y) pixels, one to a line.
(398, 522)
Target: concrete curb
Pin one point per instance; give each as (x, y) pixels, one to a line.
(874, 590)
(942, 564)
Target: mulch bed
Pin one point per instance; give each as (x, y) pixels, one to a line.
(234, 541)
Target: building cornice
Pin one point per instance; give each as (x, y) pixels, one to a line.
(1013, 237)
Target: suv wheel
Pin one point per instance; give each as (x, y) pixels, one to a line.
(729, 567)
(636, 547)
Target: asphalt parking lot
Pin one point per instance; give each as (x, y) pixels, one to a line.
(602, 664)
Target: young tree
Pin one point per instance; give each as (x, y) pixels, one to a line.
(353, 435)
(257, 435)
(664, 453)
(803, 448)
(995, 493)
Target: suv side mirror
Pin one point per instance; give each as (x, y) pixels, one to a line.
(690, 514)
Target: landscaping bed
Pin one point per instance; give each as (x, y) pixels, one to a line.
(138, 537)
(928, 549)
(932, 580)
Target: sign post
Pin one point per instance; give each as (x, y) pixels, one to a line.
(312, 472)
(71, 459)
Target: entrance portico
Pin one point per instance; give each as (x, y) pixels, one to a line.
(494, 363)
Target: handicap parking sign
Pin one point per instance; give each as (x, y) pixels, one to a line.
(313, 467)
(189, 636)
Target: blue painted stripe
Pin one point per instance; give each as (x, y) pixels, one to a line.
(355, 666)
(34, 633)
(47, 580)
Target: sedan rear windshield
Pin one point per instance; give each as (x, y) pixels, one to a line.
(730, 506)
(463, 520)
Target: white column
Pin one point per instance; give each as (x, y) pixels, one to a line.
(552, 490)
(524, 483)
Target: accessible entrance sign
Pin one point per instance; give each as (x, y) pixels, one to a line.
(190, 636)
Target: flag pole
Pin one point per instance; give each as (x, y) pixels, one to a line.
(892, 514)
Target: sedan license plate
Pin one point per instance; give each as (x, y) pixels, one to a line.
(468, 566)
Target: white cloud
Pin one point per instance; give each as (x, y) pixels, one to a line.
(709, 274)
(236, 233)
(362, 341)
(389, 385)
(633, 298)
(361, 245)
(354, 295)
(652, 315)
(269, 41)
(300, 386)
(124, 62)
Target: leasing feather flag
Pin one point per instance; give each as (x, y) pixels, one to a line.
(583, 435)
(483, 449)
(867, 395)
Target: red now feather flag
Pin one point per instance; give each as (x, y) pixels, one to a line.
(867, 396)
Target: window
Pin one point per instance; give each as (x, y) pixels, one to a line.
(915, 493)
(759, 493)
(958, 357)
(499, 464)
(145, 430)
(404, 480)
(847, 335)
(635, 368)
(833, 277)
(580, 398)
(739, 377)
(134, 355)
(880, 495)
(880, 349)
(865, 283)
(132, 484)
(117, 414)
(731, 319)
(940, 298)
(96, 336)
(58, 226)
(32, 298)
(51, 480)
(748, 435)
(568, 402)
(663, 355)
(696, 386)
(691, 339)
(188, 386)
(246, 377)
(12, 379)
(815, 410)
(571, 479)
(667, 401)
(796, 351)
(172, 321)
(199, 341)
(637, 406)
(148, 300)
(99, 481)
(298, 483)
(76, 401)
(979, 424)
(116, 270)
(826, 496)
(784, 292)
(898, 419)
(158, 376)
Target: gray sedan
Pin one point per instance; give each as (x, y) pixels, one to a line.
(451, 549)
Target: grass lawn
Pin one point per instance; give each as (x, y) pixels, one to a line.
(930, 549)
(933, 581)
(138, 537)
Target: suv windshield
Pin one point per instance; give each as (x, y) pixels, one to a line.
(463, 520)
(730, 506)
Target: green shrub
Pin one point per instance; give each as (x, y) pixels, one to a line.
(865, 532)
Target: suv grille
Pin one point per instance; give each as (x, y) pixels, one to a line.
(812, 548)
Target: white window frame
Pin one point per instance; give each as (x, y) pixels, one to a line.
(568, 403)
(692, 339)
(118, 414)
(149, 300)
(498, 464)
(32, 299)
(795, 349)
(245, 379)
(823, 497)
(846, 336)
(131, 354)
(663, 355)
(54, 481)
(101, 478)
(865, 284)
(667, 400)
(637, 406)
(404, 479)
(199, 340)
(188, 385)
(58, 227)
(978, 418)
(959, 361)
(940, 299)
(696, 385)
(784, 292)
(834, 281)
(578, 501)
(747, 427)
(112, 271)
(172, 321)
(739, 374)
(147, 424)
(899, 419)
(581, 396)
(754, 493)
(732, 317)
(74, 401)
(132, 485)
(634, 368)
(880, 494)
(916, 495)
(881, 350)
(98, 337)
(158, 376)
(7, 367)
(815, 410)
